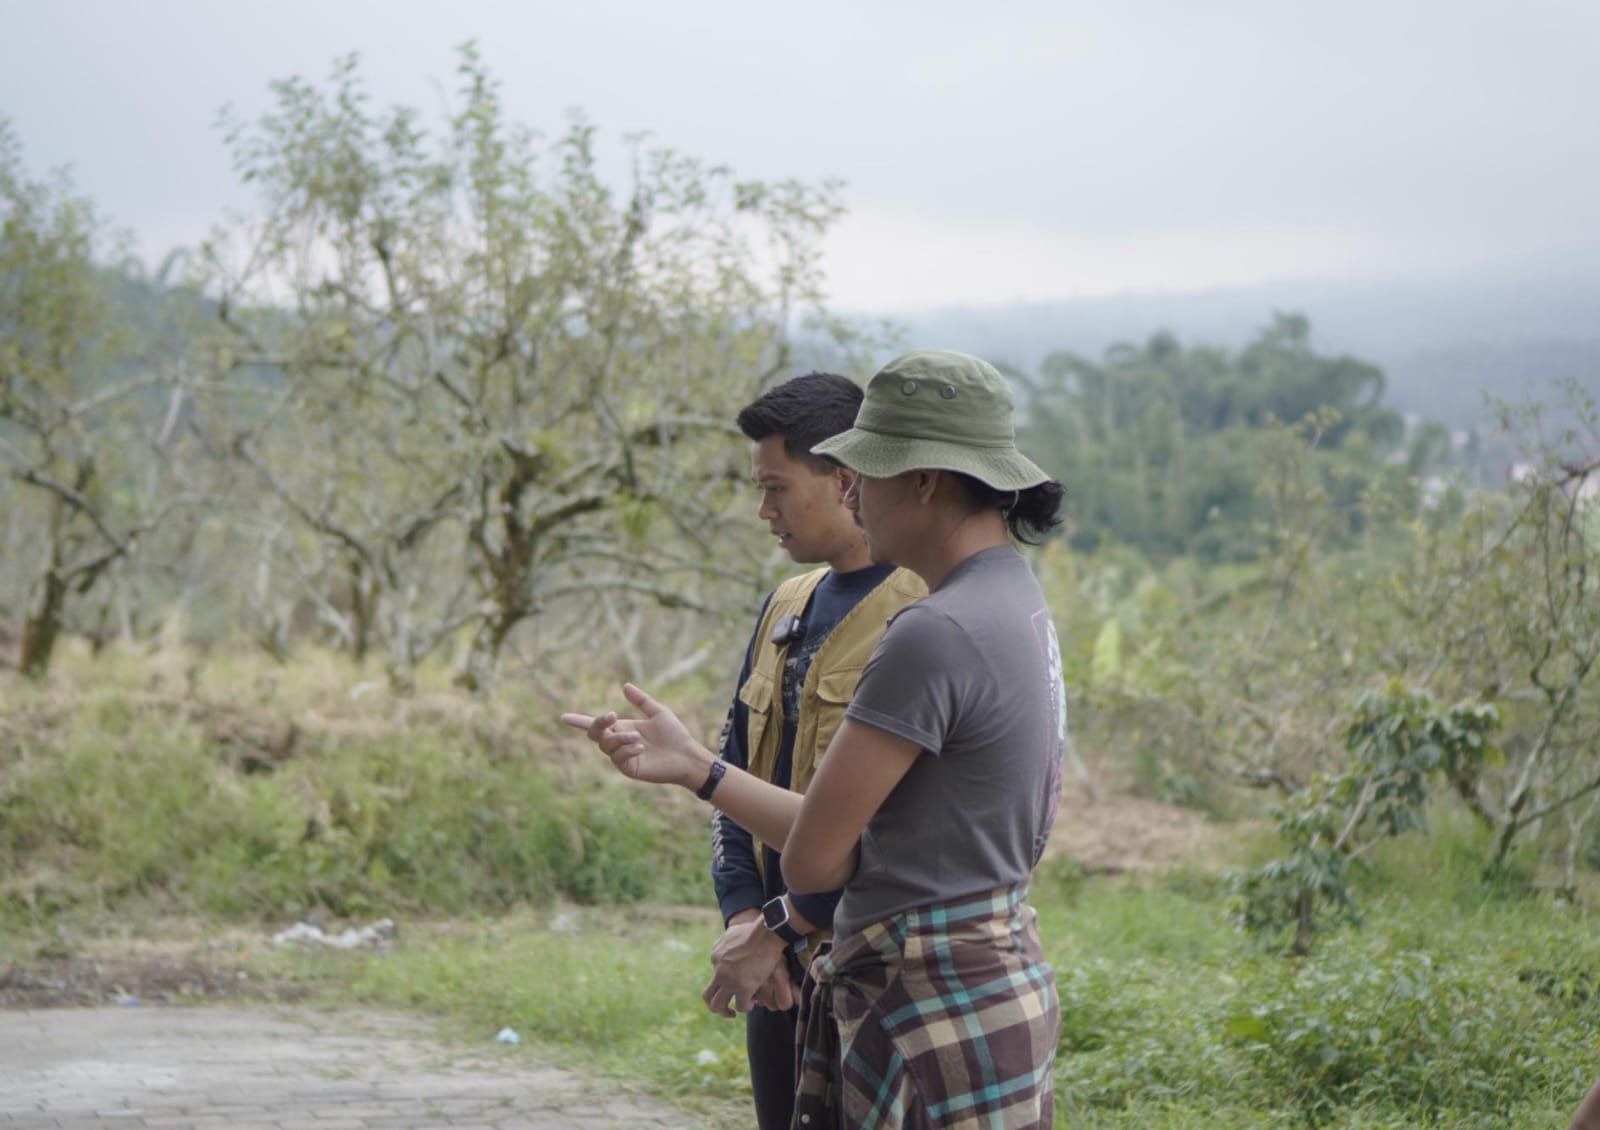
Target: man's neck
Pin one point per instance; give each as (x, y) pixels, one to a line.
(855, 558)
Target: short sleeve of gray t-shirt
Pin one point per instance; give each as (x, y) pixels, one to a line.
(915, 685)
(972, 674)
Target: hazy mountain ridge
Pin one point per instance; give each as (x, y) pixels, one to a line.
(1442, 344)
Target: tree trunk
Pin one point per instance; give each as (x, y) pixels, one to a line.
(1508, 832)
(1302, 924)
(363, 608)
(399, 661)
(42, 627)
(481, 666)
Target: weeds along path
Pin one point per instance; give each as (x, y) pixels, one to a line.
(243, 1068)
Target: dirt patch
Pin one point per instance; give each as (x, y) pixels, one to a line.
(1113, 832)
(134, 978)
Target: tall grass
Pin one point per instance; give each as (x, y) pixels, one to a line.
(279, 799)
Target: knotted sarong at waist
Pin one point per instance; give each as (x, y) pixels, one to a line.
(943, 1016)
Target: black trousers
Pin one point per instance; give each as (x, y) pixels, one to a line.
(769, 1039)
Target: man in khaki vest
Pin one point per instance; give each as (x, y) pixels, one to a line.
(811, 641)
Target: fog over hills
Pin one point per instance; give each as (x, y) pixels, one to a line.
(1442, 343)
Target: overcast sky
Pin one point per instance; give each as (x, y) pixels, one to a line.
(992, 151)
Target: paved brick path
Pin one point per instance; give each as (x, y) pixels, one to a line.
(250, 1069)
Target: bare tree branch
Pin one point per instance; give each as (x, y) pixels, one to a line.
(38, 478)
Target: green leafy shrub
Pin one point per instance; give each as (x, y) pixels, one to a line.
(1397, 742)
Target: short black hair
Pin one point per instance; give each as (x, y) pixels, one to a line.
(1030, 514)
(804, 410)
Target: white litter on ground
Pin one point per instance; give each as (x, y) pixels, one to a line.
(377, 935)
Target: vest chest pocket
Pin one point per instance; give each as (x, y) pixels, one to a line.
(756, 694)
(827, 705)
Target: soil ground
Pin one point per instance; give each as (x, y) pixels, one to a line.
(262, 1068)
(1113, 832)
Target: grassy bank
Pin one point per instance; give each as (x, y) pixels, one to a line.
(242, 790)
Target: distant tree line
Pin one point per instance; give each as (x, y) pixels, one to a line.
(1162, 446)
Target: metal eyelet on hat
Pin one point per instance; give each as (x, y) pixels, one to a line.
(909, 388)
(948, 392)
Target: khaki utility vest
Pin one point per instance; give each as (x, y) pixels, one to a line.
(829, 684)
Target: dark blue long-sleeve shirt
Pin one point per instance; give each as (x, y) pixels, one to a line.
(738, 883)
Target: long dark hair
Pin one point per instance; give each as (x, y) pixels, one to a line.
(1030, 514)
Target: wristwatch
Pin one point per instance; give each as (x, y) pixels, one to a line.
(775, 913)
(718, 768)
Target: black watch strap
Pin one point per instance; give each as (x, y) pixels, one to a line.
(775, 913)
(718, 768)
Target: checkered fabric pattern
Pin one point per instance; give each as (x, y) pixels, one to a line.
(944, 1016)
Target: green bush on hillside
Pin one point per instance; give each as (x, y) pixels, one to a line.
(121, 803)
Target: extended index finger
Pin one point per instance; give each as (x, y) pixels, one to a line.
(595, 726)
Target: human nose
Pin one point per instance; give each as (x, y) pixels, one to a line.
(766, 511)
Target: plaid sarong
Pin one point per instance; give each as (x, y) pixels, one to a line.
(943, 1016)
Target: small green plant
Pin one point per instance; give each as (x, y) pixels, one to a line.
(1397, 743)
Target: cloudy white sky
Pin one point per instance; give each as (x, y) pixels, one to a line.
(992, 151)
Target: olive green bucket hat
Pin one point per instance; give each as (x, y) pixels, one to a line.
(936, 409)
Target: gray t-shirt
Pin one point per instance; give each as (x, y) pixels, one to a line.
(972, 674)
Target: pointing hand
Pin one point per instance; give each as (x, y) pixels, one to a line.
(655, 748)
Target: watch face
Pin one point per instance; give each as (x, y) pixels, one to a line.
(775, 914)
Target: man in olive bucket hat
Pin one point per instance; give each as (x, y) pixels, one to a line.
(933, 1006)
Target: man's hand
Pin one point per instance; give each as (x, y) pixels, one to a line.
(656, 748)
(779, 994)
(748, 969)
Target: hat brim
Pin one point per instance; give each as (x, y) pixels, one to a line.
(881, 456)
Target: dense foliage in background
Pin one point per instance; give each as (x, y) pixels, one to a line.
(1448, 651)
(443, 385)
(1161, 444)
(88, 406)
(502, 379)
